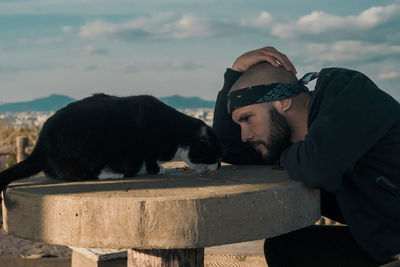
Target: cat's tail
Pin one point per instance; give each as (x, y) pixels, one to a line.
(32, 165)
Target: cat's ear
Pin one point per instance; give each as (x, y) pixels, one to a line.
(204, 134)
(207, 136)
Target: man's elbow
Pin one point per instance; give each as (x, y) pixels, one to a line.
(317, 176)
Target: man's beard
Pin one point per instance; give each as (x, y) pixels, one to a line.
(278, 140)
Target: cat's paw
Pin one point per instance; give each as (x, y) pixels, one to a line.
(162, 170)
(110, 175)
(142, 170)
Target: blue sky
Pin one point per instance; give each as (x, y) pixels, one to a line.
(122, 47)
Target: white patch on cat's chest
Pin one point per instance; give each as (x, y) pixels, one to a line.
(108, 174)
(181, 154)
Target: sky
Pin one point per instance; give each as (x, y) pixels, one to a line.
(120, 47)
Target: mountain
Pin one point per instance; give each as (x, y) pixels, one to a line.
(46, 104)
(55, 102)
(181, 102)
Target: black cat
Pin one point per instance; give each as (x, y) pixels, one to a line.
(118, 134)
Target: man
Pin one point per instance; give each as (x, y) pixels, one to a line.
(342, 138)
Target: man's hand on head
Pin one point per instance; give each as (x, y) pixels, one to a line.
(268, 54)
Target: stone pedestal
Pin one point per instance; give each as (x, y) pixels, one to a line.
(166, 257)
(92, 257)
(177, 210)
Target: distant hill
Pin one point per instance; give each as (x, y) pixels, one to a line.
(55, 102)
(181, 102)
(46, 104)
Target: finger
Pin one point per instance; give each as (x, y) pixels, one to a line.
(281, 58)
(288, 64)
(269, 48)
(272, 60)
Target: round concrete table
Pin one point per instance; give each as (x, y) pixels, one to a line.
(161, 218)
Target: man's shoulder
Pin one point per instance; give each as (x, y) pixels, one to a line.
(336, 73)
(335, 80)
(331, 81)
(344, 86)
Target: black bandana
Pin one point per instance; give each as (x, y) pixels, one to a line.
(268, 92)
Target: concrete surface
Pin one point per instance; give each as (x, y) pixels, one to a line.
(81, 260)
(43, 262)
(245, 254)
(174, 210)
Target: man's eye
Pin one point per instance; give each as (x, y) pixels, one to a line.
(246, 119)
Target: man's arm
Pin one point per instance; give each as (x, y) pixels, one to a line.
(234, 150)
(354, 115)
(265, 54)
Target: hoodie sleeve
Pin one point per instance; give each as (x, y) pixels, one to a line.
(228, 132)
(352, 117)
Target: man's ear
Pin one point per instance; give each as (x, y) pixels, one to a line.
(283, 105)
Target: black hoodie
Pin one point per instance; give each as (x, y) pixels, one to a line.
(352, 148)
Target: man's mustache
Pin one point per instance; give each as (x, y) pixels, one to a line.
(256, 143)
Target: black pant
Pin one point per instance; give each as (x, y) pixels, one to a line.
(318, 245)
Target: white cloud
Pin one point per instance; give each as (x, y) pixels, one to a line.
(163, 65)
(318, 22)
(97, 28)
(159, 26)
(184, 64)
(190, 26)
(264, 19)
(66, 29)
(345, 51)
(388, 75)
(91, 50)
(374, 16)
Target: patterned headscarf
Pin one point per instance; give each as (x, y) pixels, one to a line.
(268, 92)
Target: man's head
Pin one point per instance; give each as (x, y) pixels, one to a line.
(264, 125)
(264, 73)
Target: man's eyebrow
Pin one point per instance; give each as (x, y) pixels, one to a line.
(244, 116)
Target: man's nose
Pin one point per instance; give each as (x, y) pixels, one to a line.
(246, 135)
